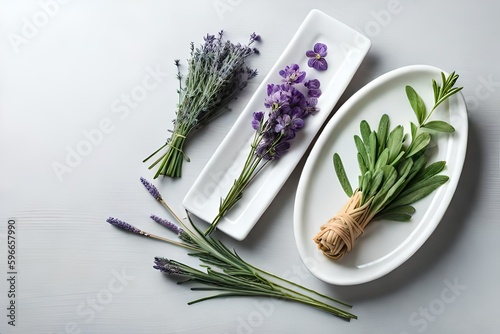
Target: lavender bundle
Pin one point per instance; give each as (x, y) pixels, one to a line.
(226, 273)
(287, 109)
(217, 72)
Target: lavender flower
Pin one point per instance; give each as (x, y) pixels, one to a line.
(123, 225)
(313, 88)
(151, 188)
(317, 57)
(166, 266)
(217, 72)
(287, 108)
(257, 117)
(292, 75)
(168, 224)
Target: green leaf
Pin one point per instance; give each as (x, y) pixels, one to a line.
(414, 129)
(383, 131)
(377, 179)
(442, 93)
(400, 213)
(403, 171)
(416, 103)
(440, 126)
(420, 143)
(366, 180)
(372, 149)
(395, 142)
(396, 159)
(341, 175)
(365, 130)
(390, 177)
(432, 170)
(361, 163)
(419, 191)
(382, 159)
(360, 146)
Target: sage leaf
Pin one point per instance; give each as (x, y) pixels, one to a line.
(362, 166)
(417, 104)
(429, 171)
(382, 159)
(400, 213)
(421, 190)
(372, 149)
(440, 126)
(341, 175)
(420, 143)
(395, 142)
(365, 130)
(382, 132)
(360, 146)
(414, 129)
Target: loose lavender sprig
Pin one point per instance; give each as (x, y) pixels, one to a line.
(226, 272)
(130, 228)
(174, 228)
(287, 109)
(217, 72)
(152, 189)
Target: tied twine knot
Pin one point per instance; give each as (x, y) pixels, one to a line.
(176, 135)
(337, 237)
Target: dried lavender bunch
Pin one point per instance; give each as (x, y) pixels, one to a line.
(225, 272)
(287, 109)
(217, 72)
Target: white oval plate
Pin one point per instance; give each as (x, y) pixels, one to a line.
(385, 244)
(346, 50)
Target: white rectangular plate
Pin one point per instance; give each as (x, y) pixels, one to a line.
(346, 50)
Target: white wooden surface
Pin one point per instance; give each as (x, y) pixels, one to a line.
(67, 68)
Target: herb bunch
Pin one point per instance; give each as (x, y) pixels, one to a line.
(217, 72)
(287, 109)
(393, 174)
(224, 272)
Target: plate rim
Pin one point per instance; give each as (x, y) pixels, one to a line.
(321, 141)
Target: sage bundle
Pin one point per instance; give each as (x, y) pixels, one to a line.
(393, 174)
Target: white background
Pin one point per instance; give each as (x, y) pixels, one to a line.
(64, 72)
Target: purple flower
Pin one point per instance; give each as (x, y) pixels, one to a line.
(166, 266)
(287, 109)
(277, 151)
(254, 37)
(288, 123)
(257, 118)
(152, 189)
(311, 108)
(277, 96)
(292, 74)
(171, 226)
(316, 57)
(123, 225)
(313, 88)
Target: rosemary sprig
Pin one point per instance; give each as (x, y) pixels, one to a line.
(226, 273)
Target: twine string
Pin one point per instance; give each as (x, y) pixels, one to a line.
(338, 236)
(174, 136)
